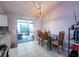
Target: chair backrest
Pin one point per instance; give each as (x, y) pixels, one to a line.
(39, 32)
(61, 37)
(46, 36)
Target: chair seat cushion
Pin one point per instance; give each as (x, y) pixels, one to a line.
(40, 39)
(55, 43)
(45, 41)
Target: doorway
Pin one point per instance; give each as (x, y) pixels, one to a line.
(25, 31)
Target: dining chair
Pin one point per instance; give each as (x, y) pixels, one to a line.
(40, 35)
(60, 39)
(47, 39)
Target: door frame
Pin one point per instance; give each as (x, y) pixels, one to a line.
(17, 30)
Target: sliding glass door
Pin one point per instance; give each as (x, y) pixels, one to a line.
(25, 30)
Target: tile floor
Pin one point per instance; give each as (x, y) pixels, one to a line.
(32, 49)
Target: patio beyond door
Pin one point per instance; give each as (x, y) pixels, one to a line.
(25, 31)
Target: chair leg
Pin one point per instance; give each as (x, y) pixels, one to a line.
(62, 49)
(48, 46)
(58, 49)
(42, 43)
(7, 55)
(39, 42)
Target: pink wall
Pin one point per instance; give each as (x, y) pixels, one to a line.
(12, 17)
(1, 9)
(62, 17)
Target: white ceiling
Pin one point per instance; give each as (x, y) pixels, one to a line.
(27, 7)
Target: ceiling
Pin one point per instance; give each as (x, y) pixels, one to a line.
(27, 7)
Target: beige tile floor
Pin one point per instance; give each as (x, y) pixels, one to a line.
(32, 49)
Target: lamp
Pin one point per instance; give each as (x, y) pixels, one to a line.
(39, 11)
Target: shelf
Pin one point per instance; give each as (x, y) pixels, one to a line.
(73, 44)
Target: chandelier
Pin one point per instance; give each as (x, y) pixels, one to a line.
(39, 11)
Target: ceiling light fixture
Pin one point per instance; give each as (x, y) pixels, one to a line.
(39, 11)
